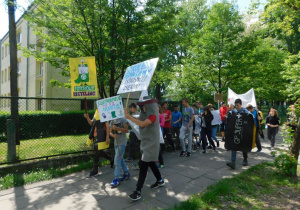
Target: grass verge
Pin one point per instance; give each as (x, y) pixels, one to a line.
(14, 180)
(260, 187)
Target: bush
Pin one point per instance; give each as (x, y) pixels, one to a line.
(39, 124)
(286, 164)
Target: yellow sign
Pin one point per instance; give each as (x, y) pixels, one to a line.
(102, 145)
(83, 77)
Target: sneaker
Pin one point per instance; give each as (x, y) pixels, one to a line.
(245, 163)
(259, 150)
(182, 154)
(125, 177)
(136, 195)
(188, 154)
(158, 184)
(231, 165)
(209, 147)
(161, 166)
(129, 159)
(91, 174)
(115, 182)
(218, 144)
(136, 166)
(203, 152)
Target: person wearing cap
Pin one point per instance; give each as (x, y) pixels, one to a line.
(238, 109)
(150, 136)
(254, 112)
(223, 111)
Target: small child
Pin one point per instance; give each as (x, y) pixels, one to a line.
(118, 130)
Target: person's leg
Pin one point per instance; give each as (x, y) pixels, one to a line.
(223, 130)
(181, 137)
(95, 159)
(233, 156)
(208, 134)
(257, 140)
(167, 131)
(273, 134)
(117, 163)
(132, 140)
(123, 164)
(190, 139)
(160, 157)
(142, 175)
(203, 138)
(245, 155)
(177, 131)
(155, 170)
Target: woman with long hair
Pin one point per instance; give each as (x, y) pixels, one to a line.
(272, 122)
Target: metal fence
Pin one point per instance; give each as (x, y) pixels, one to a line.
(54, 127)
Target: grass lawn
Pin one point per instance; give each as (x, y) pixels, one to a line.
(260, 187)
(47, 146)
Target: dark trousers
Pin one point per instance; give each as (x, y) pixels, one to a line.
(160, 157)
(271, 135)
(167, 133)
(143, 173)
(257, 141)
(132, 140)
(205, 132)
(96, 157)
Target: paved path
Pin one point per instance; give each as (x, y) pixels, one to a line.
(183, 176)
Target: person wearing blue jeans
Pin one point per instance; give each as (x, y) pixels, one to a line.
(187, 128)
(238, 109)
(118, 130)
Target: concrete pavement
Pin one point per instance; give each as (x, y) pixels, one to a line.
(183, 176)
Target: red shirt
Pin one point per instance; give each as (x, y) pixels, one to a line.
(168, 115)
(152, 118)
(223, 112)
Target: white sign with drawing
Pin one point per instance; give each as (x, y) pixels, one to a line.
(110, 108)
(217, 118)
(138, 77)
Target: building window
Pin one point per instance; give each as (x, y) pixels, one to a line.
(19, 37)
(8, 73)
(41, 88)
(41, 68)
(5, 75)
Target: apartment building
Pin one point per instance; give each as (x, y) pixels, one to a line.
(33, 75)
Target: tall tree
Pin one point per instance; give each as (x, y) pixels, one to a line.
(119, 33)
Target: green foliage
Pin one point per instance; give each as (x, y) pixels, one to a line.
(41, 124)
(286, 164)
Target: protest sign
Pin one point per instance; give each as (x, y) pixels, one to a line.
(217, 118)
(247, 98)
(135, 128)
(110, 108)
(83, 77)
(240, 133)
(137, 78)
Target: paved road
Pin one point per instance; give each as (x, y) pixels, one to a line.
(183, 176)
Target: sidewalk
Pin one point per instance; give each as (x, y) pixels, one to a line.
(183, 176)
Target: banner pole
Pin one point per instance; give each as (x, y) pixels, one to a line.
(127, 101)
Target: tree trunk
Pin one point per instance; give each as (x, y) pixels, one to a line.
(295, 147)
(158, 91)
(13, 66)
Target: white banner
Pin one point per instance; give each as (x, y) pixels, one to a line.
(217, 118)
(137, 78)
(247, 98)
(110, 108)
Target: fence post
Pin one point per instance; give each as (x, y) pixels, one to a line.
(11, 139)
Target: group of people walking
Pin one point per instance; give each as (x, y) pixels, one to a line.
(156, 123)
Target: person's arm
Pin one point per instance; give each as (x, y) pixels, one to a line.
(87, 117)
(107, 133)
(123, 130)
(137, 121)
(170, 117)
(191, 121)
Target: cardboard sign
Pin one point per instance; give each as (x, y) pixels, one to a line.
(110, 108)
(217, 118)
(247, 98)
(83, 77)
(137, 78)
(135, 129)
(239, 133)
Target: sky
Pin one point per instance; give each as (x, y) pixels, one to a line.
(243, 5)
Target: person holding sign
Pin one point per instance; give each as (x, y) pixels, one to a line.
(118, 130)
(99, 133)
(187, 128)
(150, 135)
(238, 109)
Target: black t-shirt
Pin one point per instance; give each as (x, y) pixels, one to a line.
(273, 120)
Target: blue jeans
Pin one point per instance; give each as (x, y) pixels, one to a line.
(214, 132)
(120, 163)
(183, 132)
(233, 156)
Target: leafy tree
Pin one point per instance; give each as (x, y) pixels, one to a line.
(119, 33)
